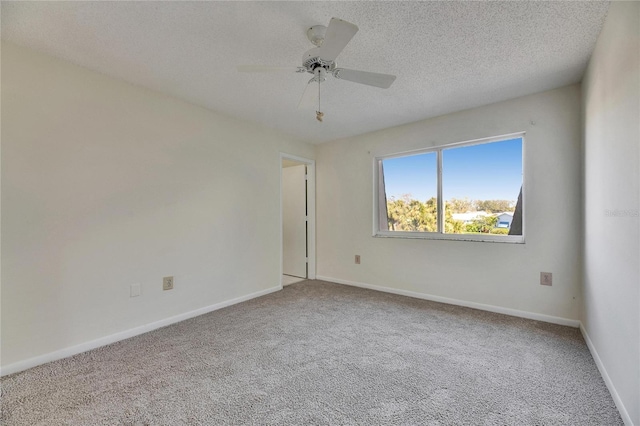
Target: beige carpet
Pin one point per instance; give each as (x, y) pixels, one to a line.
(320, 353)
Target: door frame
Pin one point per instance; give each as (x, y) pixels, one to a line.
(311, 214)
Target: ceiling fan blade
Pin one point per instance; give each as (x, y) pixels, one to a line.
(262, 68)
(310, 96)
(339, 33)
(363, 77)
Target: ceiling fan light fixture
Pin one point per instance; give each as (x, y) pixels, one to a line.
(320, 75)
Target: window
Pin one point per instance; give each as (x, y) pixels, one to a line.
(464, 191)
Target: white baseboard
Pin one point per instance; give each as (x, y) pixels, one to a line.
(474, 305)
(607, 380)
(93, 344)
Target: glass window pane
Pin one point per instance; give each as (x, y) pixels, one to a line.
(480, 186)
(410, 190)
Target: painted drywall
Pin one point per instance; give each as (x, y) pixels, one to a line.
(106, 184)
(611, 102)
(497, 274)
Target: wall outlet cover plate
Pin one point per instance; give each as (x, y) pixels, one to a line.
(167, 283)
(546, 278)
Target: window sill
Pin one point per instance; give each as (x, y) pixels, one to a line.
(509, 239)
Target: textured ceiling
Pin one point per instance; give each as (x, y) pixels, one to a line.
(448, 56)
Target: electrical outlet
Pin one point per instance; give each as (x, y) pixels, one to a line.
(135, 290)
(546, 278)
(167, 283)
(357, 259)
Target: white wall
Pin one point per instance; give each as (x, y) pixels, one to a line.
(503, 275)
(105, 184)
(611, 94)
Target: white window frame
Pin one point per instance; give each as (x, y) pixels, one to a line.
(440, 235)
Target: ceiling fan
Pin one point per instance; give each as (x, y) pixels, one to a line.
(320, 61)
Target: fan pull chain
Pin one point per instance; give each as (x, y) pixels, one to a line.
(319, 114)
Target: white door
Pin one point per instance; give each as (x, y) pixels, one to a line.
(294, 221)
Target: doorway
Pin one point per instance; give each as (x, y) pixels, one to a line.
(297, 211)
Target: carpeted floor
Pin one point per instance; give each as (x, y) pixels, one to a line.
(321, 353)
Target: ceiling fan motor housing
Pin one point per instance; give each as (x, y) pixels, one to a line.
(311, 60)
(316, 34)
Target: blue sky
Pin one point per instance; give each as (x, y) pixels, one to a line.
(480, 172)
